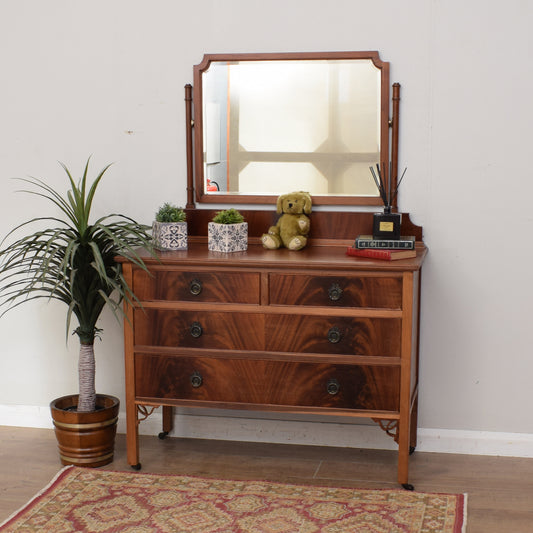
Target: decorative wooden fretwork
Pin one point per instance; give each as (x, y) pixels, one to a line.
(390, 427)
(145, 412)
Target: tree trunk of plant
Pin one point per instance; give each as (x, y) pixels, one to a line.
(86, 373)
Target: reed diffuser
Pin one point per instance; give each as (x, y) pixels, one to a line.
(386, 224)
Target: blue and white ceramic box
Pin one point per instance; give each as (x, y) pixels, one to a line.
(170, 235)
(227, 237)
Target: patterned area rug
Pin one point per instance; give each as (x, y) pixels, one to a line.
(87, 500)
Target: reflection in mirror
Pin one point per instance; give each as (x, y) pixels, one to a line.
(269, 126)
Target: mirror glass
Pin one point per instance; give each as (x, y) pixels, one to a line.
(269, 126)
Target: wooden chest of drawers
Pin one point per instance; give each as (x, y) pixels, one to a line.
(313, 331)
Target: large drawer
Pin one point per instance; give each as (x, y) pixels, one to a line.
(196, 329)
(334, 335)
(267, 382)
(336, 291)
(197, 286)
(270, 332)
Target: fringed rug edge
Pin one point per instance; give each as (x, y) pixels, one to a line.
(29, 504)
(463, 511)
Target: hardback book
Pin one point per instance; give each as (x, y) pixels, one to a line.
(367, 241)
(384, 255)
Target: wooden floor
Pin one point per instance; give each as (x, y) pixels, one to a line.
(500, 489)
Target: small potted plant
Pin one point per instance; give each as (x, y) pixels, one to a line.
(169, 230)
(227, 232)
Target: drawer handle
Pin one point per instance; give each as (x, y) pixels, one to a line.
(196, 379)
(333, 386)
(335, 292)
(196, 330)
(334, 335)
(195, 287)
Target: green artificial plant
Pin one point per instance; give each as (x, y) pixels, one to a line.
(72, 260)
(170, 213)
(228, 216)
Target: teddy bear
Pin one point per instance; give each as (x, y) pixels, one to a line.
(293, 225)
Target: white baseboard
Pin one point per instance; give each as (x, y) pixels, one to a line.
(284, 431)
(29, 416)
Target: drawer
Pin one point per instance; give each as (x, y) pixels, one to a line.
(198, 329)
(336, 291)
(197, 286)
(282, 383)
(334, 335)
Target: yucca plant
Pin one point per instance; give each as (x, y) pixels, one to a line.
(73, 261)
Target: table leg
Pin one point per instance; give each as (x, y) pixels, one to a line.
(168, 421)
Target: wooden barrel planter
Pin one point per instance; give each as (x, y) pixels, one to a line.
(85, 439)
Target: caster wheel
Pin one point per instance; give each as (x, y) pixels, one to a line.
(163, 435)
(137, 466)
(412, 450)
(408, 486)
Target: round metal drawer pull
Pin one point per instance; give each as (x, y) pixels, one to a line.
(196, 379)
(334, 335)
(196, 330)
(195, 287)
(333, 386)
(335, 292)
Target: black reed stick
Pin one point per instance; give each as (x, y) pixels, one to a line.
(389, 203)
(398, 185)
(379, 184)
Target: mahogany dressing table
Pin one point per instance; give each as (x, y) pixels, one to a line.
(310, 332)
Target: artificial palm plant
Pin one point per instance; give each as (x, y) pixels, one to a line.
(72, 260)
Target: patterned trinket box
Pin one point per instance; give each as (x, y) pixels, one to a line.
(227, 237)
(170, 235)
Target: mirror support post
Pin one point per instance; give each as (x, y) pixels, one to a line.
(188, 131)
(395, 136)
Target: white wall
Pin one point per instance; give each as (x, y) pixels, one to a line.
(106, 78)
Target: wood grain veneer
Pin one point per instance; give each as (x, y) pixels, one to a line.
(266, 382)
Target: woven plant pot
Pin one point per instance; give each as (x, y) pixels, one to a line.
(227, 237)
(85, 439)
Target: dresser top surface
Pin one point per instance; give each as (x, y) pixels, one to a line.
(310, 258)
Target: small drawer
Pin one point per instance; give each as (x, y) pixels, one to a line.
(336, 291)
(191, 286)
(334, 335)
(267, 382)
(195, 329)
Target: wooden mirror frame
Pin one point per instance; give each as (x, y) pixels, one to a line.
(195, 172)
